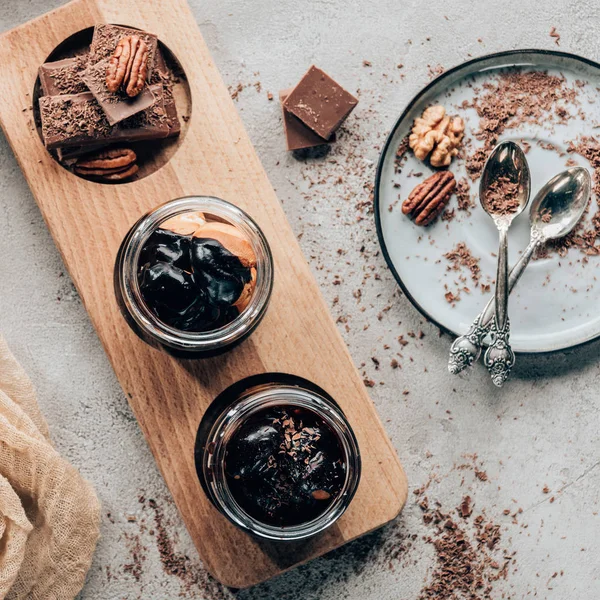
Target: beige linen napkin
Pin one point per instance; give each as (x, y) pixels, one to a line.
(49, 515)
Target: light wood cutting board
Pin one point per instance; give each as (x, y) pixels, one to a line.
(169, 396)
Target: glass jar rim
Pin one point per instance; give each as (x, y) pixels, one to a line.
(144, 318)
(271, 395)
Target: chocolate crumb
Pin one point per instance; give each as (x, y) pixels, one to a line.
(465, 509)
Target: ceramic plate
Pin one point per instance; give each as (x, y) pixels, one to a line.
(555, 305)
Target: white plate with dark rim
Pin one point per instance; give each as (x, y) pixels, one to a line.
(555, 305)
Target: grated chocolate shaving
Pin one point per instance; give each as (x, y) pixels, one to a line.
(502, 196)
(463, 195)
(461, 257)
(516, 97)
(469, 557)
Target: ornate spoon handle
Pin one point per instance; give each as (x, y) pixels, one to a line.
(499, 357)
(467, 348)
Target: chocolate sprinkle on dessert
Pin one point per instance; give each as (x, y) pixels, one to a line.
(285, 466)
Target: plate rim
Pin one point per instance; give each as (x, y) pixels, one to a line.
(378, 176)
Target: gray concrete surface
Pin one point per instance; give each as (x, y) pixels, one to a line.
(540, 430)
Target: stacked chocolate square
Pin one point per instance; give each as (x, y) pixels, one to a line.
(95, 104)
(314, 110)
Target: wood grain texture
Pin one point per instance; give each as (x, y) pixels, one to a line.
(169, 396)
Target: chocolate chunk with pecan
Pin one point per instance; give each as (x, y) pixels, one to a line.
(117, 105)
(128, 66)
(107, 36)
(429, 198)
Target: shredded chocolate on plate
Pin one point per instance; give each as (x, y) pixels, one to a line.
(516, 97)
(460, 257)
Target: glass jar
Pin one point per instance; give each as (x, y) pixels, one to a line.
(241, 428)
(140, 314)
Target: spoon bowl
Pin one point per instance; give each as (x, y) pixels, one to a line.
(508, 161)
(560, 203)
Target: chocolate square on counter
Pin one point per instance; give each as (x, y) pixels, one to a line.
(63, 76)
(116, 105)
(78, 120)
(106, 37)
(320, 103)
(297, 135)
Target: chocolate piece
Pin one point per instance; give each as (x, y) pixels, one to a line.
(106, 37)
(78, 120)
(320, 103)
(116, 105)
(70, 154)
(162, 74)
(297, 135)
(171, 111)
(63, 76)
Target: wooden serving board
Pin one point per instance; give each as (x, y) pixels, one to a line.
(169, 396)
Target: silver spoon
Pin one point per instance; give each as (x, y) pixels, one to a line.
(507, 163)
(555, 211)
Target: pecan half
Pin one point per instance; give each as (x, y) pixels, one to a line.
(429, 198)
(115, 164)
(128, 66)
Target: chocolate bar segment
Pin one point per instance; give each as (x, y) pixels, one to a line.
(320, 103)
(106, 37)
(297, 135)
(116, 105)
(78, 120)
(69, 154)
(163, 75)
(63, 76)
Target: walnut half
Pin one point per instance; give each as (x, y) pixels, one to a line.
(437, 134)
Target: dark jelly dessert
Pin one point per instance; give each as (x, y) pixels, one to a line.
(285, 466)
(196, 275)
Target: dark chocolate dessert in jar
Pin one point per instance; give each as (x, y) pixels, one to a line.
(276, 455)
(194, 276)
